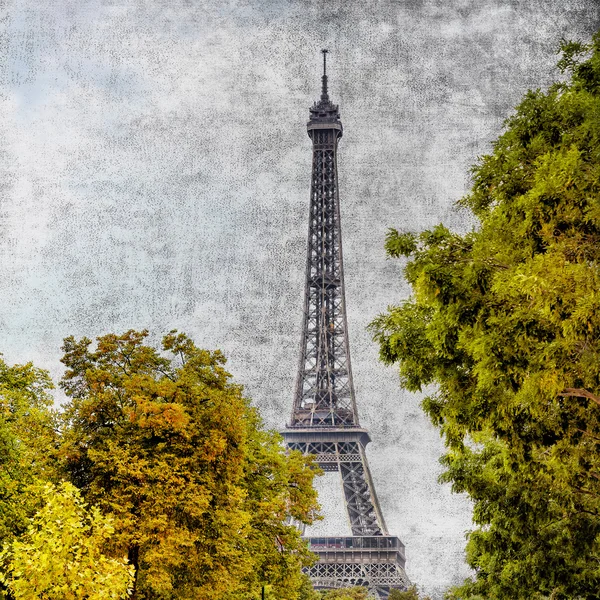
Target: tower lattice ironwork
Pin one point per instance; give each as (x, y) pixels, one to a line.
(324, 419)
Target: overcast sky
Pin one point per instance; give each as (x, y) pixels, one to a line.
(155, 174)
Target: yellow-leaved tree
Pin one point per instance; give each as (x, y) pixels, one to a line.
(167, 444)
(60, 556)
(28, 442)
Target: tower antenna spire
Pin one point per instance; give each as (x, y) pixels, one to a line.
(324, 94)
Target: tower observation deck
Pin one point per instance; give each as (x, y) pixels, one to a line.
(324, 419)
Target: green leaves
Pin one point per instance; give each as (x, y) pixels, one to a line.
(570, 53)
(400, 244)
(505, 321)
(28, 443)
(349, 593)
(410, 594)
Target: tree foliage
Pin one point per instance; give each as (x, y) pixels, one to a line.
(410, 594)
(28, 440)
(60, 557)
(505, 320)
(172, 450)
(306, 590)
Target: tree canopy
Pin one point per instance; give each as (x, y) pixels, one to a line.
(505, 321)
(199, 491)
(347, 593)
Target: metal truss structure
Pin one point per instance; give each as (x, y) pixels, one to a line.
(324, 420)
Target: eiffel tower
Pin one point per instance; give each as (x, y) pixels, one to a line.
(324, 419)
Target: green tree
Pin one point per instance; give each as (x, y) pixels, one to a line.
(306, 591)
(169, 446)
(410, 594)
(60, 556)
(28, 442)
(505, 320)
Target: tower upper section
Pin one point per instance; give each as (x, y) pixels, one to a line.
(324, 395)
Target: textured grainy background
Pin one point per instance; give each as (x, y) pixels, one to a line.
(155, 171)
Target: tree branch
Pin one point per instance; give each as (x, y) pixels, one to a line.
(580, 393)
(584, 491)
(588, 434)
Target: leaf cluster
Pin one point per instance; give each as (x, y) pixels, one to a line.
(28, 443)
(347, 593)
(410, 594)
(28, 446)
(60, 556)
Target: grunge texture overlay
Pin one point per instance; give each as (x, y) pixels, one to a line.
(155, 174)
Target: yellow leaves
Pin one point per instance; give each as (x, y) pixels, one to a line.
(560, 294)
(61, 556)
(172, 449)
(215, 445)
(549, 383)
(161, 418)
(27, 443)
(557, 171)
